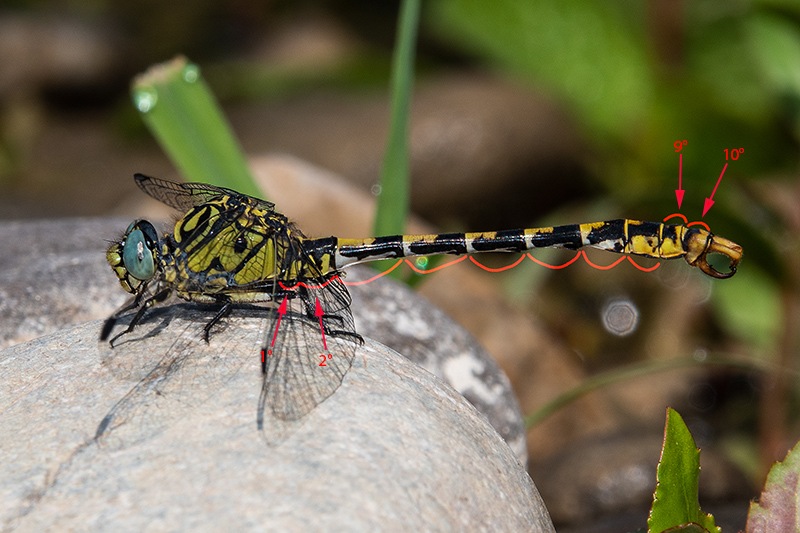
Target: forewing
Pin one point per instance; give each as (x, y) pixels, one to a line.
(184, 196)
(173, 370)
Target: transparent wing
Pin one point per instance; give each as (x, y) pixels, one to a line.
(174, 372)
(184, 196)
(307, 359)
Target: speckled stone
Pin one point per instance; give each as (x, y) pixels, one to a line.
(393, 449)
(53, 274)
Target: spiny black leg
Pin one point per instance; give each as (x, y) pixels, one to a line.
(223, 312)
(158, 297)
(338, 332)
(133, 303)
(344, 333)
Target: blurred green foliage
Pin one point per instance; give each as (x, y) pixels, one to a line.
(179, 109)
(639, 76)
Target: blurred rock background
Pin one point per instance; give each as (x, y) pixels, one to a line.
(524, 114)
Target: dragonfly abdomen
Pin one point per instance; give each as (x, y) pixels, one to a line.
(625, 236)
(621, 236)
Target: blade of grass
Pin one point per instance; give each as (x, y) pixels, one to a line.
(179, 109)
(634, 371)
(393, 196)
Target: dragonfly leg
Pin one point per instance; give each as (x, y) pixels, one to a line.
(339, 332)
(158, 297)
(223, 312)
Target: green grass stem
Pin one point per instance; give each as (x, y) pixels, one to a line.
(179, 109)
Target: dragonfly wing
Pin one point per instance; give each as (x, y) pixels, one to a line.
(184, 196)
(305, 362)
(174, 371)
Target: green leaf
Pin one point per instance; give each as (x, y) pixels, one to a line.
(594, 54)
(778, 507)
(675, 502)
(776, 45)
(750, 308)
(183, 115)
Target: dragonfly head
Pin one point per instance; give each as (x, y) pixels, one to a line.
(699, 244)
(133, 257)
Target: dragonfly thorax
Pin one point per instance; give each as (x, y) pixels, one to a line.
(133, 258)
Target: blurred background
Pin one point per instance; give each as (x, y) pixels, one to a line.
(524, 114)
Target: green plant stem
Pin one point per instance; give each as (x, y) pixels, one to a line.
(393, 199)
(180, 111)
(631, 372)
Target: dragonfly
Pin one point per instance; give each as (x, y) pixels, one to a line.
(229, 249)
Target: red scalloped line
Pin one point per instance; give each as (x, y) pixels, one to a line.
(376, 276)
(496, 270)
(601, 267)
(435, 269)
(676, 215)
(554, 267)
(307, 285)
(632, 261)
(699, 223)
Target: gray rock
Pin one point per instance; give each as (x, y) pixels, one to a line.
(53, 274)
(392, 449)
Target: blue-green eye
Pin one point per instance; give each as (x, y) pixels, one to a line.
(139, 250)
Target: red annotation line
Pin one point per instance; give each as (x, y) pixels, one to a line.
(376, 276)
(676, 215)
(601, 267)
(319, 313)
(499, 269)
(679, 192)
(434, 269)
(265, 352)
(643, 268)
(578, 255)
(709, 202)
(554, 267)
(305, 285)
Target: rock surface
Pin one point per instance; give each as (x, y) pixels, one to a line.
(392, 449)
(53, 274)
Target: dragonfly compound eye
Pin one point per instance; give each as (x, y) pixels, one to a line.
(138, 252)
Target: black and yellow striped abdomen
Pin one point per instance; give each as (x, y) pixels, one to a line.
(650, 239)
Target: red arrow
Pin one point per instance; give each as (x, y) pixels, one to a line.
(679, 191)
(710, 200)
(319, 314)
(265, 353)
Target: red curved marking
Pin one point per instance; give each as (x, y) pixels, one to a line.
(376, 276)
(413, 267)
(307, 285)
(554, 267)
(676, 215)
(699, 223)
(495, 270)
(601, 267)
(632, 261)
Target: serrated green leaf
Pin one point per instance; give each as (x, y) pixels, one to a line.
(778, 507)
(675, 500)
